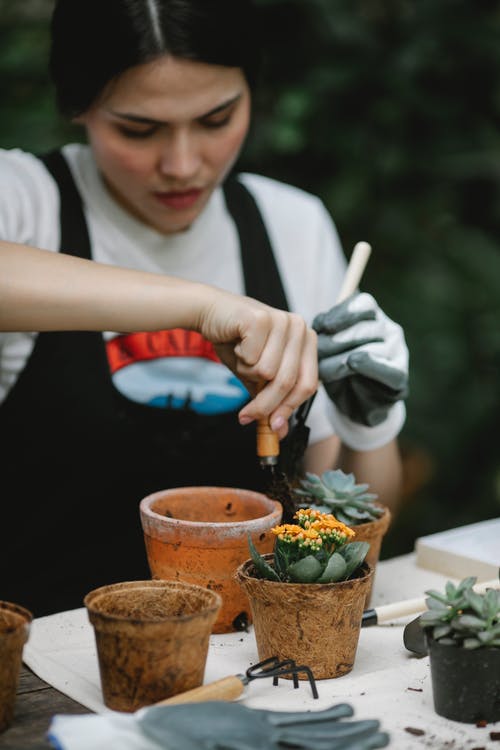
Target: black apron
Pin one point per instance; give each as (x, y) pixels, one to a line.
(78, 456)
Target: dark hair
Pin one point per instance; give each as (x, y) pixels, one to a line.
(93, 41)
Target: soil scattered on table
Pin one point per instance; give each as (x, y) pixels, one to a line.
(414, 731)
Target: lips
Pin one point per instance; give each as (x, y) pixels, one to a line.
(179, 200)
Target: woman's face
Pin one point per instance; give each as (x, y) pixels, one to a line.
(165, 135)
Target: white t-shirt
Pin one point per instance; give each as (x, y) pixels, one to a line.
(304, 239)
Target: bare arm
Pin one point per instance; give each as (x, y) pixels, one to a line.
(46, 291)
(43, 291)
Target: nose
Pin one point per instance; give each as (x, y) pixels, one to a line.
(180, 158)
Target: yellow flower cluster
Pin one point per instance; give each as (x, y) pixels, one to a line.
(333, 533)
(293, 534)
(314, 531)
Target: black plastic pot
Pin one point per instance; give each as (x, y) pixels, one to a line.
(465, 682)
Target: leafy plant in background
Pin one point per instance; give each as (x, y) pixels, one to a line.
(461, 617)
(337, 493)
(315, 550)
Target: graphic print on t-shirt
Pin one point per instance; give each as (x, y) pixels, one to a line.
(174, 369)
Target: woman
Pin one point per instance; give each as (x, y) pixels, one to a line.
(163, 91)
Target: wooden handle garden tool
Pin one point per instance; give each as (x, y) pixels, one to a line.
(268, 444)
(355, 270)
(230, 688)
(388, 612)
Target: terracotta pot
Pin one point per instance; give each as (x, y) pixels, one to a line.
(152, 639)
(465, 683)
(373, 532)
(199, 535)
(14, 631)
(316, 624)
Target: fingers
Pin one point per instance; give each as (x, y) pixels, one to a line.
(380, 370)
(287, 365)
(260, 353)
(266, 348)
(353, 310)
(331, 345)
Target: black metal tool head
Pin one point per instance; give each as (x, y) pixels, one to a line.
(414, 638)
(275, 668)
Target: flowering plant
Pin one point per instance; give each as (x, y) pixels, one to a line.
(317, 549)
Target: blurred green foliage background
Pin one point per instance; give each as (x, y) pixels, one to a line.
(389, 110)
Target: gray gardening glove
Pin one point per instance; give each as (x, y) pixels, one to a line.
(211, 726)
(363, 364)
(216, 726)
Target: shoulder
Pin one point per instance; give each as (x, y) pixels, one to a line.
(80, 159)
(293, 216)
(299, 224)
(23, 169)
(29, 203)
(275, 197)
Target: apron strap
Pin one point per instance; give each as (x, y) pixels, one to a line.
(75, 238)
(261, 275)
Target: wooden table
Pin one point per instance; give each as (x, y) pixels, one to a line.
(36, 703)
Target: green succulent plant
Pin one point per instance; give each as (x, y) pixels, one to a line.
(315, 550)
(462, 617)
(337, 493)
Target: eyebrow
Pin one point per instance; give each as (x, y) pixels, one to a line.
(150, 121)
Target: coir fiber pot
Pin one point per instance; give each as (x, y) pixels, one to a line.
(465, 682)
(14, 631)
(199, 535)
(152, 639)
(373, 532)
(316, 624)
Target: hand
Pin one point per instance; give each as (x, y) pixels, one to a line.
(262, 345)
(363, 359)
(199, 726)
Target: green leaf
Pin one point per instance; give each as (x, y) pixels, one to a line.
(466, 622)
(354, 554)
(441, 630)
(466, 584)
(492, 602)
(340, 516)
(470, 643)
(446, 641)
(306, 570)
(312, 478)
(430, 618)
(357, 515)
(435, 605)
(476, 602)
(337, 481)
(438, 596)
(485, 637)
(335, 569)
(451, 591)
(262, 566)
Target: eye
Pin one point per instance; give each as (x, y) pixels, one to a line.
(134, 133)
(216, 121)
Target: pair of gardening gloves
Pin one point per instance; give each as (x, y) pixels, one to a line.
(363, 364)
(216, 726)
